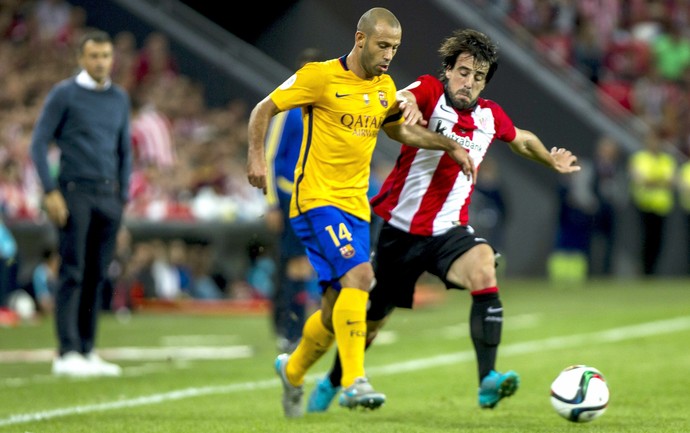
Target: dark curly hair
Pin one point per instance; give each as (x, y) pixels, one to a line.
(470, 41)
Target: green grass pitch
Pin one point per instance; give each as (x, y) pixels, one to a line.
(214, 373)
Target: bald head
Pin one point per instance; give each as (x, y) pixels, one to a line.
(378, 36)
(367, 23)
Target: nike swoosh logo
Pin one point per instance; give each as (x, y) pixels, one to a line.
(352, 322)
(491, 310)
(447, 110)
(341, 95)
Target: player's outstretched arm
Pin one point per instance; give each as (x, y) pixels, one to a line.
(528, 145)
(259, 120)
(418, 136)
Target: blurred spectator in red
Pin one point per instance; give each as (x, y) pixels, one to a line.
(13, 20)
(153, 195)
(627, 58)
(20, 189)
(155, 62)
(15, 199)
(160, 186)
(152, 137)
(189, 117)
(124, 54)
(605, 16)
(67, 36)
(679, 11)
(50, 17)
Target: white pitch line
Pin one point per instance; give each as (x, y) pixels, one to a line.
(611, 335)
(138, 353)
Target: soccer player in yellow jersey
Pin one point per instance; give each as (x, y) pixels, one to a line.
(345, 103)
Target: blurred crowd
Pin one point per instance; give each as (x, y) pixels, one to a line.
(637, 55)
(189, 157)
(637, 52)
(189, 160)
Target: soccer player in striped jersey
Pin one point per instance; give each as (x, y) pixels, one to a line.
(345, 102)
(425, 201)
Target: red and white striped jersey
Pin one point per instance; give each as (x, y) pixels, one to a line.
(426, 193)
(152, 139)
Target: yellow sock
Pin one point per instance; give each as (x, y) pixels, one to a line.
(350, 326)
(316, 340)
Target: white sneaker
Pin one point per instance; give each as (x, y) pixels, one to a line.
(104, 368)
(74, 364)
(292, 395)
(361, 393)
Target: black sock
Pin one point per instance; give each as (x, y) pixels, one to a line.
(336, 371)
(486, 323)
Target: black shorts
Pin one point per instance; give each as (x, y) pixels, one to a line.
(401, 258)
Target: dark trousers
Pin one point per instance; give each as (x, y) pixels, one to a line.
(652, 241)
(290, 297)
(87, 245)
(605, 231)
(9, 271)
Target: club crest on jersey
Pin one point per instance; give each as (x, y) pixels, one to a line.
(347, 251)
(383, 99)
(483, 123)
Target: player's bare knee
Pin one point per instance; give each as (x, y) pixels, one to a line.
(482, 277)
(360, 277)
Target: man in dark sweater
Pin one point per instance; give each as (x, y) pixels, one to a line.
(87, 117)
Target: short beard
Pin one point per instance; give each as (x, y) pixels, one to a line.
(458, 105)
(462, 105)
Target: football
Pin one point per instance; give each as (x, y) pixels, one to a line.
(580, 393)
(22, 303)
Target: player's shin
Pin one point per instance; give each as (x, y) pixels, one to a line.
(349, 323)
(486, 324)
(316, 340)
(336, 372)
